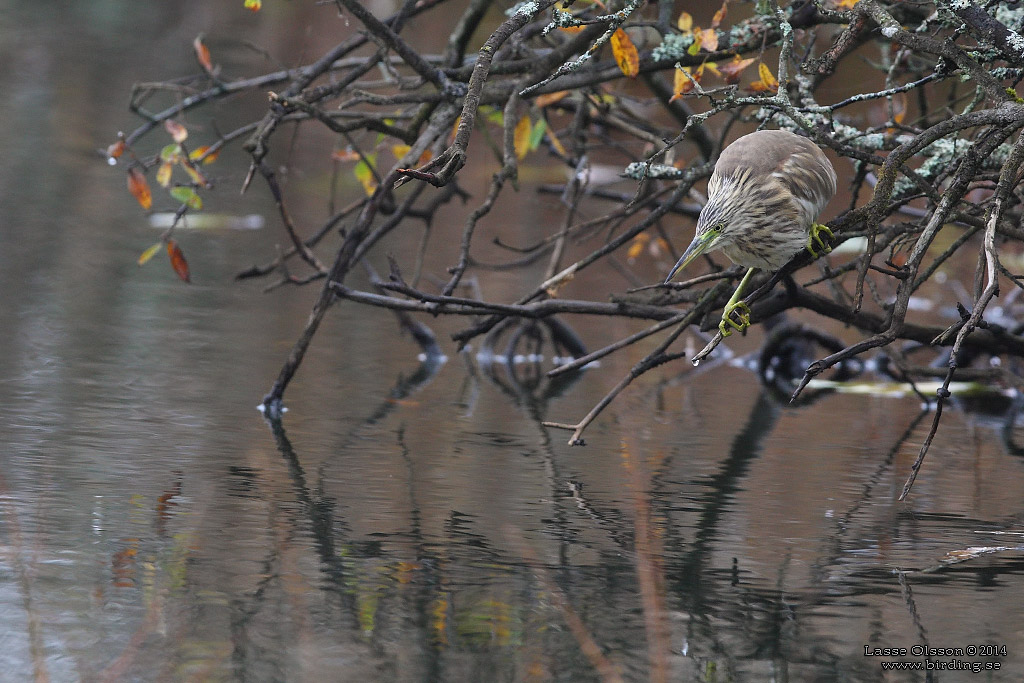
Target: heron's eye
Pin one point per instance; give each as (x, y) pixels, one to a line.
(718, 228)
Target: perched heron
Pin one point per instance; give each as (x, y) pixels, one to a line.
(764, 196)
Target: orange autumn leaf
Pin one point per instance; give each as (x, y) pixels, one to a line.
(846, 4)
(347, 154)
(709, 39)
(202, 54)
(253, 5)
(178, 261)
(139, 188)
(720, 14)
(732, 70)
(899, 108)
(570, 29)
(521, 137)
(115, 151)
(550, 98)
(177, 131)
(626, 55)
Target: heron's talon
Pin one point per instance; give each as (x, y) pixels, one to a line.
(740, 323)
(815, 236)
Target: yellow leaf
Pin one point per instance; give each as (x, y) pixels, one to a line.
(399, 151)
(163, 174)
(768, 81)
(682, 83)
(521, 138)
(557, 144)
(253, 5)
(846, 4)
(637, 247)
(625, 53)
(364, 174)
(709, 39)
(193, 173)
(550, 98)
(685, 22)
(204, 153)
(149, 253)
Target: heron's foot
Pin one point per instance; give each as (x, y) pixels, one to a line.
(736, 316)
(815, 237)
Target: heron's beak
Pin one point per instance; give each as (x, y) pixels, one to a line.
(700, 244)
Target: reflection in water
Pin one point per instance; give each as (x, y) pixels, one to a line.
(420, 523)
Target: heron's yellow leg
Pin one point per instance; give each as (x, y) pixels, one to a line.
(741, 309)
(815, 236)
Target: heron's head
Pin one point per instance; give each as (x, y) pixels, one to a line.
(722, 218)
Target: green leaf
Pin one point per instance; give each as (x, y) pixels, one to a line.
(170, 153)
(186, 195)
(364, 174)
(537, 134)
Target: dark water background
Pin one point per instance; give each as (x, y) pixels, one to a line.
(405, 525)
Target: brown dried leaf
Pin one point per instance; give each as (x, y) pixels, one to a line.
(177, 131)
(202, 54)
(178, 261)
(625, 53)
(720, 14)
(139, 188)
(709, 39)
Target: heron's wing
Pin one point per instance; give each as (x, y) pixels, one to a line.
(794, 161)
